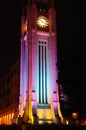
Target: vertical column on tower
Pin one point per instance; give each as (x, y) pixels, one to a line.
(53, 56)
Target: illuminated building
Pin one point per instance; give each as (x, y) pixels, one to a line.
(39, 98)
(30, 90)
(9, 95)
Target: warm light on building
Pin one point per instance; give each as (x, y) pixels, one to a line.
(25, 27)
(6, 119)
(67, 122)
(75, 115)
(39, 97)
(33, 95)
(9, 95)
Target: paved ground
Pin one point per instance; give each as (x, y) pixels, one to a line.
(42, 127)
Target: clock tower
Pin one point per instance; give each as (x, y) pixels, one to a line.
(39, 97)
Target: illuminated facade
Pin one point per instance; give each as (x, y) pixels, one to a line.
(39, 98)
(9, 95)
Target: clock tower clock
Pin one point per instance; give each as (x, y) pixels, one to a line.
(39, 97)
(42, 21)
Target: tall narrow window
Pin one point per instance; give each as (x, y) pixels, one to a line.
(42, 71)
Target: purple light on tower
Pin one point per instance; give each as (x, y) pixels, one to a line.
(38, 72)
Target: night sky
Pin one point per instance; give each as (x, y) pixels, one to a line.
(71, 38)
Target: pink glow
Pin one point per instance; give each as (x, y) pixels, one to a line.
(38, 72)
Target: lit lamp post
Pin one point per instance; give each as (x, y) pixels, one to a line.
(75, 117)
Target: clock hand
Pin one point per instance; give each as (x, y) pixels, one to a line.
(42, 22)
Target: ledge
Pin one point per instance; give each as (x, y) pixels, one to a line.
(43, 106)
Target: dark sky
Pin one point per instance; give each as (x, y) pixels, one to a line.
(72, 51)
(9, 34)
(71, 35)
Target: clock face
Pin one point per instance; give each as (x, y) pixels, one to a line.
(42, 21)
